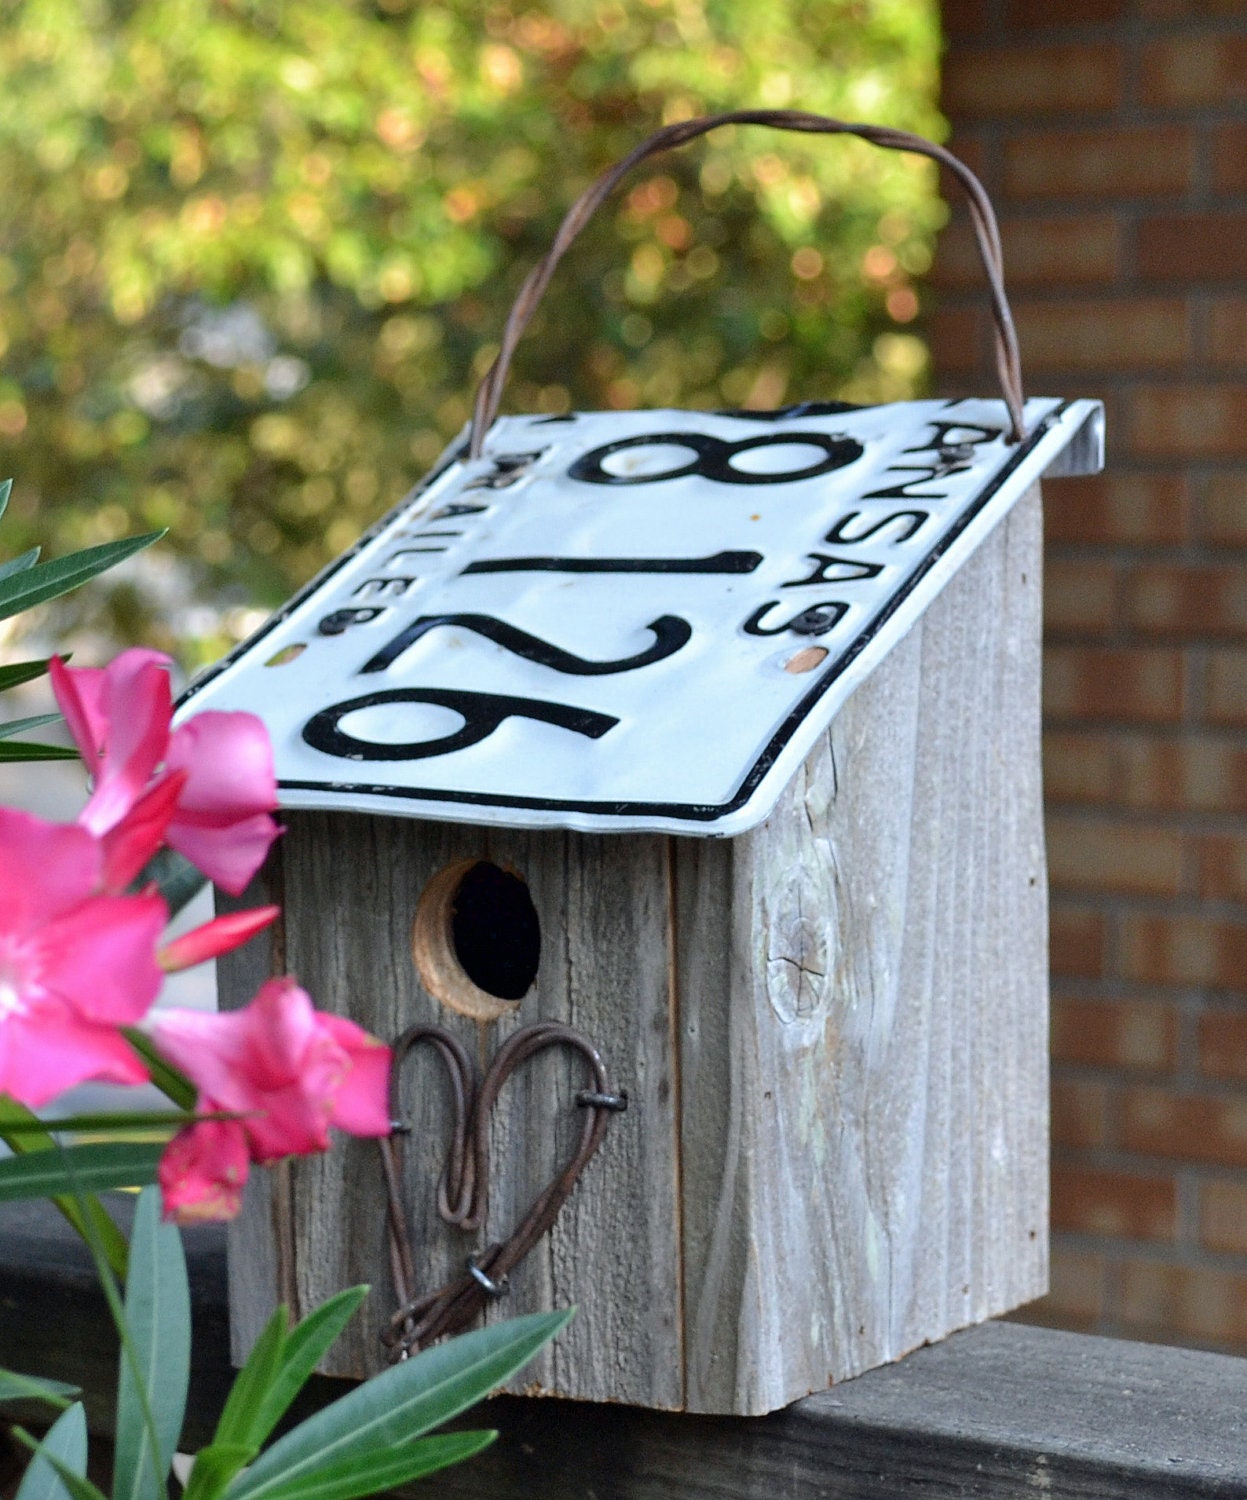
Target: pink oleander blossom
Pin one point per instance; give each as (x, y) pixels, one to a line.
(206, 788)
(289, 1070)
(221, 935)
(74, 965)
(203, 1170)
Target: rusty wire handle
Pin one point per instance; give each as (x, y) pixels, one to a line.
(983, 217)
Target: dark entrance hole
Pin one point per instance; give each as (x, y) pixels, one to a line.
(495, 931)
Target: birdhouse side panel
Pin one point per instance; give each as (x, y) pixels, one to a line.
(864, 1125)
(351, 887)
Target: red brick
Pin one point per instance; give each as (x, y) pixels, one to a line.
(1225, 510)
(1223, 874)
(1075, 251)
(1138, 332)
(1093, 855)
(1079, 1113)
(1194, 1302)
(1223, 1045)
(1188, 10)
(1171, 599)
(958, 338)
(1188, 421)
(1184, 72)
(1034, 15)
(1117, 507)
(1161, 949)
(1132, 161)
(1126, 1205)
(1193, 247)
(1005, 82)
(1088, 682)
(1223, 1216)
(1227, 330)
(1225, 688)
(1079, 595)
(1204, 773)
(1076, 942)
(1186, 1127)
(1134, 1034)
(963, 18)
(1075, 1300)
(1229, 157)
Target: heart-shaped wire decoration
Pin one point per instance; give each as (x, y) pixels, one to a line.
(463, 1188)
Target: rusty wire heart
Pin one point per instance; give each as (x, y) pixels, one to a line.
(463, 1188)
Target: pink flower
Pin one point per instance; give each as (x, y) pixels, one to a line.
(291, 1072)
(203, 1171)
(221, 935)
(206, 788)
(74, 965)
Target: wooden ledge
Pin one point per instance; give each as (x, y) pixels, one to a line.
(997, 1411)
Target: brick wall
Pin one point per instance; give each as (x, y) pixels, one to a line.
(1112, 135)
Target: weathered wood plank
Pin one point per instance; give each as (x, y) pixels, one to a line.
(864, 1082)
(351, 889)
(999, 1412)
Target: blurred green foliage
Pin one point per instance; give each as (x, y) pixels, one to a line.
(255, 253)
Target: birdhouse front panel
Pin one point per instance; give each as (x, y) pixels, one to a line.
(829, 1020)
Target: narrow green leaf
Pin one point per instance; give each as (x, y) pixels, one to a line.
(22, 671)
(151, 1390)
(305, 1345)
(20, 726)
(78, 1487)
(67, 1441)
(22, 1131)
(32, 750)
(4, 495)
(179, 881)
(15, 1387)
(111, 1164)
(352, 1477)
(215, 1466)
(244, 1405)
(120, 1120)
(400, 1403)
(20, 563)
(50, 580)
(168, 1080)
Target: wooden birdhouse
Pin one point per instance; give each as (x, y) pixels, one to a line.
(688, 760)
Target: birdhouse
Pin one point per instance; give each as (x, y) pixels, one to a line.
(687, 762)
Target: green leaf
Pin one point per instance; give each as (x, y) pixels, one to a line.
(240, 1418)
(23, 1131)
(22, 671)
(179, 881)
(173, 1084)
(20, 563)
(112, 1164)
(126, 1120)
(304, 1348)
(31, 750)
(151, 1387)
(78, 1487)
(214, 1467)
(19, 726)
(5, 488)
(399, 1404)
(52, 579)
(15, 1387)
(67, 1441)
(349, 1478)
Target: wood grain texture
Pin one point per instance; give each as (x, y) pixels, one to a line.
(832, 1029)
(1000, 1411)
(351, 888)
(865, 1082)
